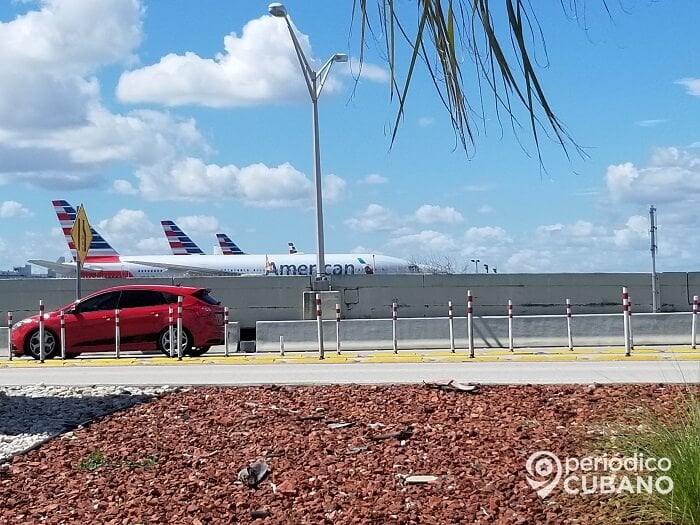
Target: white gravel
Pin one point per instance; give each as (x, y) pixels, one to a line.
(31, 415)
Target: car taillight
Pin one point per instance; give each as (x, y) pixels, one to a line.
(202, 310)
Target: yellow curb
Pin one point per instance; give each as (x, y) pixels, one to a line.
(682, 349)
(394, 358)
(543, 358)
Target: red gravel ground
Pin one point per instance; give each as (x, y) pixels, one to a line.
(177, 459)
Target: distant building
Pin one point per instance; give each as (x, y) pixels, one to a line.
(24, 272)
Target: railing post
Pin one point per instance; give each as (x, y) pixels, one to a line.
(394, 318)
(450, 317)
(226, 331)
(510, 325)
(470, 323)
(282, 346)
(568, 324)
(693, 332)
(179, 328)
(63, 334)
(337, 329)
(319, 327)
(9, 335)
(42, 350)
(626, 321)
(629, 314)
(117, 333)
(171, 332)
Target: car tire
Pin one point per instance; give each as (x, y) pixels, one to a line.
(198, 351)
(163, 341)
(51, 345)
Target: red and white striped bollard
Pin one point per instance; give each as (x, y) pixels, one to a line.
(171, 332)
(626, 321)
(9, 335)
(62, 316)
(451, 321)
(319, 327)
(470, 323)
(693, 333)
(117, 334)
(226, 331)
(337, 329)
(179, 328)
(569, 337)
(394, 318)
(42, 350)
(510, 325)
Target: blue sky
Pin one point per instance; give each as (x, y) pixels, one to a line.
(145, 110)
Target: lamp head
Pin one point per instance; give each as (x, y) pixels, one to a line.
(340, 57)
(277, 9)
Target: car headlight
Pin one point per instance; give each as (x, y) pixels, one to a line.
(23, 322)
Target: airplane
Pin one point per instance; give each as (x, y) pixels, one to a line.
(293, 249)
(228, 247)
(180, 242)
(104, 261)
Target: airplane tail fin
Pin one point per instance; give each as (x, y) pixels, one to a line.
(228, 247)
(292, 248)
(100, 250)
(180, 242)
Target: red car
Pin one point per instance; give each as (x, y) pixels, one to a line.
(143, 322)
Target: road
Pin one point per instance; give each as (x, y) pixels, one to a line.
(367, 373)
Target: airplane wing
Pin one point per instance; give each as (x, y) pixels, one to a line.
(186, 268)
(65, 268)
(54, 265)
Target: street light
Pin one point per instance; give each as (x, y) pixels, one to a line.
(314, 82)
(476, 264)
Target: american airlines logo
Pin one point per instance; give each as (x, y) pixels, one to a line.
(310, 269)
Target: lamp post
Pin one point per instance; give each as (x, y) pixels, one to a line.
(476, 264)
(314, 82)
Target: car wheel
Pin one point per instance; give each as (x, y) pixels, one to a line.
(32, 345)
(164, 341)
(196, 352)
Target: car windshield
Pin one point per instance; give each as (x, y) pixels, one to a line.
(203, 294)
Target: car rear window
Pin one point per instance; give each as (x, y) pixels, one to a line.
(204, 295)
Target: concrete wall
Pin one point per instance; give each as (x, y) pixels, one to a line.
(489, 332)
(277, 298)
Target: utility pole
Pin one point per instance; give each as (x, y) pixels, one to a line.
(654, 247)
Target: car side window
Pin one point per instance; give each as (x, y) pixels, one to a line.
(140, 298)
(105, 301)
(170, 298)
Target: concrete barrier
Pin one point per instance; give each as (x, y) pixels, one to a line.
(489, 332)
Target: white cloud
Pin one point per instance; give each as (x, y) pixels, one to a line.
(366, 71)
(428, 214)
(54, 131)
(13, 209)
(258, 67)
(132, 233)
(486, 234)
(635, 232)
(650, 123)
(485, 209)
(424, 122)
(673, 175)
(333, 188)
(374, 218)
(124, 187)
(374, 178)
(426, 241)
(198, 223)
(692, 85)
(254, 185)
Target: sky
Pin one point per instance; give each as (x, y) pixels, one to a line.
(197, 112)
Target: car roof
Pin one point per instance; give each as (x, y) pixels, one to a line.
(174, 289)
